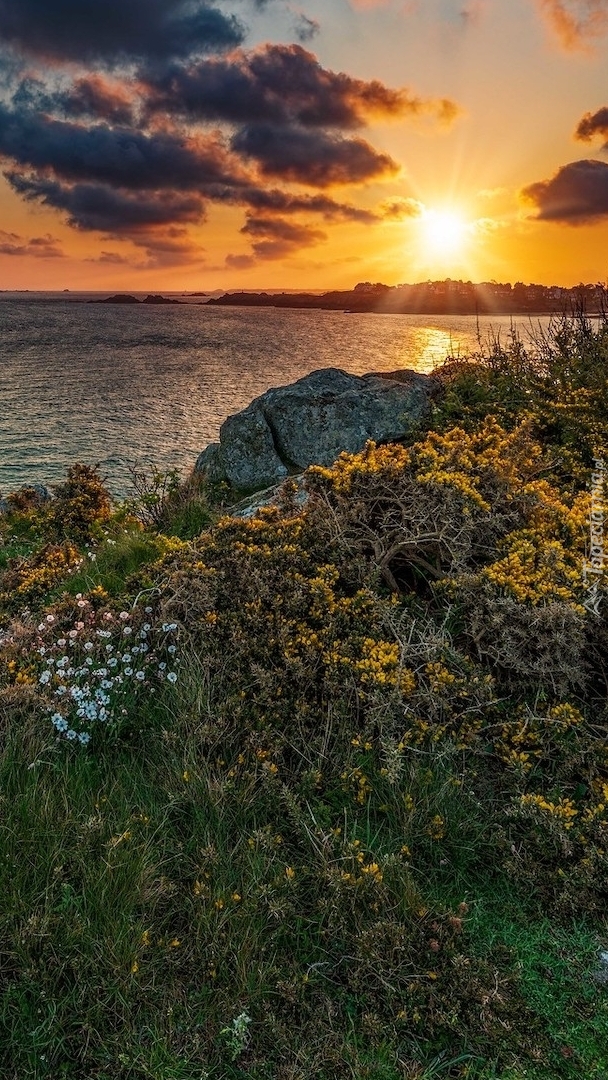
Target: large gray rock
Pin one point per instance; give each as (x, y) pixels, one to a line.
(311, 421)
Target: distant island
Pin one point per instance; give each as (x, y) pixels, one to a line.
(434, 298)
(127, 298)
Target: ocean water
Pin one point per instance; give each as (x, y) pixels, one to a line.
(124, 386)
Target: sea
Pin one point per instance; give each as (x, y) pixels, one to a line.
(126, 386)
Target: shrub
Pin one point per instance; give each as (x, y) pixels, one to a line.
(559, 380)
(27, 580)
(81, 504)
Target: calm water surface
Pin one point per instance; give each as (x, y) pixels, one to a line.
(122, 385)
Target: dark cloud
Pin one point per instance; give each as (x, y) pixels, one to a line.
(92, 96)
(41, 247)
(119, 157)
(576, 195)
(279, 229)
(315, 158)
(115, 30)
(99, 208)
(306, 29)
(275, 238)
(592, 125)
(110, 258)
(126, 150)
(148, 221)
(280, 84)
(275, 200)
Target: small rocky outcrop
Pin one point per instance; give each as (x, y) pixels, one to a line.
(311, 421)
(126, 298)
(154, 298)
(118, 298)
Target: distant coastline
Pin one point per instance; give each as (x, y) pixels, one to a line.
(428, 298)
(435, 298)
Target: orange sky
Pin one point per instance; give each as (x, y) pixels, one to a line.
(311, 145)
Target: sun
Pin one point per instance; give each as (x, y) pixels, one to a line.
(444, 233)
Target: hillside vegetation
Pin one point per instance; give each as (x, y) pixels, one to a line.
(321, 793)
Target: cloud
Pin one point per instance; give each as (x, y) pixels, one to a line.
(240, 262)
(315, 158)
(576, 22)
(279, 84)
(306, 29)
(116, 30)
(165, 122)
(275, 238)
(97, 207)
(171, 247)
(91, 96)
(120, 157)
(594, 124)
(275, 200)
(576, 195)
(400, 209)
(135, 186)
(95, 97)
(40, 247)
(110, 258)
(154, 221)
(487, 226)
(492, 193)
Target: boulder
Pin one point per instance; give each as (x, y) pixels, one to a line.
(311, 421)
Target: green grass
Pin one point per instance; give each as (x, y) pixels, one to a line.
(556, 962)
(110, 859)
(115, 561)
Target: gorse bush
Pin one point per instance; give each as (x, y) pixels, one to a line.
(559, 379)
(81, 504)
(486, 618)
(31, 578)
(468, 517)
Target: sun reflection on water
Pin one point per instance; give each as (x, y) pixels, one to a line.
(430, 346)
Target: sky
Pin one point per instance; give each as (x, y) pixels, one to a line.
(223, 144)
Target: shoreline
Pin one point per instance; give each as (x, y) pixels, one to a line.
(444, 312)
